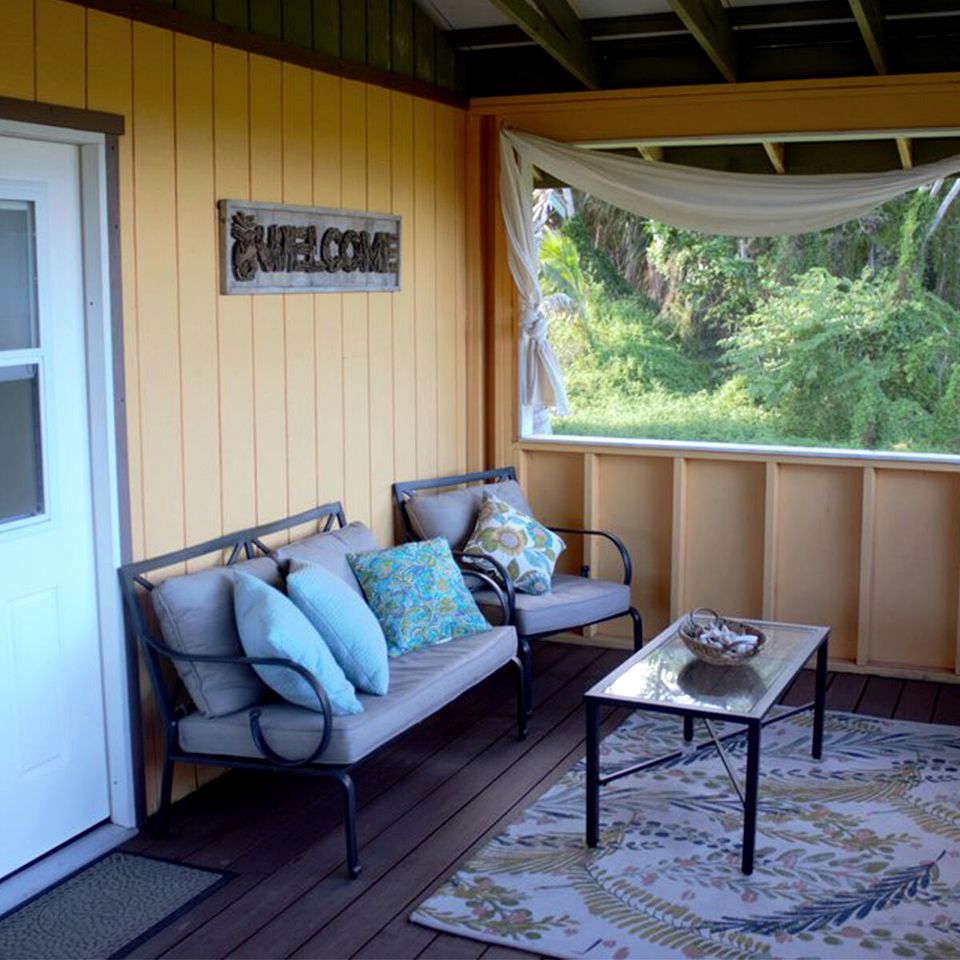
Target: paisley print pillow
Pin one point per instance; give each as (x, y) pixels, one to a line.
(417, 592)
(526, 549)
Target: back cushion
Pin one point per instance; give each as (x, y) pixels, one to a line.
(329, 550)
(196, 616)
(453, 515)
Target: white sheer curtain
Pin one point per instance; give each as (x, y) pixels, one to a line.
(730, 204)
(541, 380)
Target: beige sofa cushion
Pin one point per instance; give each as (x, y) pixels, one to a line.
(452, 515)
(420, 683)
(196, 616)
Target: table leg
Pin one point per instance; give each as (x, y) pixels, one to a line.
(820, 698)
(750, 800)
(593, 773)
(687, 727)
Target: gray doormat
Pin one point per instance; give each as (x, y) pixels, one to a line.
(106, 908)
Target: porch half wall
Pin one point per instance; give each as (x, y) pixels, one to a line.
(242, 410)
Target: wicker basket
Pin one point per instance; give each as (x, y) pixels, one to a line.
(697, 621)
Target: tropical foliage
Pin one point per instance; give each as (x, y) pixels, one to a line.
(847, 337)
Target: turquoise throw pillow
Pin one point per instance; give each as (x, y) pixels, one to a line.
(418, 594)
(271, 626)
(345, 622)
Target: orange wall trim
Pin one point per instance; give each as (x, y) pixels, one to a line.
(858, 104)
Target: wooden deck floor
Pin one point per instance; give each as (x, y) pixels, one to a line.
(424, 804)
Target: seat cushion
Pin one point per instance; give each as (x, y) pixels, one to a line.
(196, 616)
(345, 622)
(420, 683)
(452, 515)
(270, 625)
(525, 548)
(417, 592)
(573, 602)
(329, 550)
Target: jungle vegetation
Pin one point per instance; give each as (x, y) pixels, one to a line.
(849, 337)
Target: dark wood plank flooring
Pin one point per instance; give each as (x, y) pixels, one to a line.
(425, 803)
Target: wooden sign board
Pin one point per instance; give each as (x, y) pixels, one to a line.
(282, 248)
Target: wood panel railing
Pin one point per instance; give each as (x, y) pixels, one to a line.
(868, 545)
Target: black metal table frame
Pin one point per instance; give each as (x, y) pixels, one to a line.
(752, 726)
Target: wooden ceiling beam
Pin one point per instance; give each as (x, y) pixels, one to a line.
(777, 155)
(905, 149)
(708, 22)
(556, 28)
(869, 17)
(650, 152)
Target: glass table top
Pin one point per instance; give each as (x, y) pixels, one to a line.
(666, 674)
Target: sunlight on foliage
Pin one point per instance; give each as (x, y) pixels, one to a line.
(849, 337)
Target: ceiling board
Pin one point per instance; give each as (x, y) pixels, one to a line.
(463, 14)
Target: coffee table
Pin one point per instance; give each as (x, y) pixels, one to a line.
(665, 677)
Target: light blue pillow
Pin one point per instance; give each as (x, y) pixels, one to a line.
(271, 626)
(417, 592)
(345, 622)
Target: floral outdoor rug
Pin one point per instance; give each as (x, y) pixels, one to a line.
(857, 854)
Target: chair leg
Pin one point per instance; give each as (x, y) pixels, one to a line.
(526, 655)
(524, 707)
(350, 821)
(160, 824)
(637, 629)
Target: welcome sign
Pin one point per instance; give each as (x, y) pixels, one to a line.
(282, 248)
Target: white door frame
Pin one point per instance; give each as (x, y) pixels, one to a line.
(105, 388)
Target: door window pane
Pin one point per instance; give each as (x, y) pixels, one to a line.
(21, 464)
(18, 276)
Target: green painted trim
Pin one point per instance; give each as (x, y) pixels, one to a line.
(266, 17)
(199, 8)
(446, 63)
(378, 34)
(424, 40)
(353, 31)
(401, 22)
(326, 26)
(234, 13)
(298, 22)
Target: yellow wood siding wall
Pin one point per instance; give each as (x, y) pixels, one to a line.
(247, 409)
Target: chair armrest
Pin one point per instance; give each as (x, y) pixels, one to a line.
(504, 595)
(256, 732)
(613, 538)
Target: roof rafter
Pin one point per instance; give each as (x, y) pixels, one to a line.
(650, 152)
(707, 20)
(776, 154)
(869, 17)
(905, 149)
(557, 29)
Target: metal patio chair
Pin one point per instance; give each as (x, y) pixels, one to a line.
(575, 600)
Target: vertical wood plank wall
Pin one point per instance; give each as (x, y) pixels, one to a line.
(870, 548)
(247, 409)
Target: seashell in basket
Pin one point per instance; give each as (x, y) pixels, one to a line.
(715, 639)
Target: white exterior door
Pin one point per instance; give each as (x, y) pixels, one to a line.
(53, 757)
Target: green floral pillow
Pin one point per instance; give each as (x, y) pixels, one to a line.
(527, 550)
(417, 592)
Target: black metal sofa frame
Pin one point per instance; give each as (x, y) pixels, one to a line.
(248, 544)
(403, 491)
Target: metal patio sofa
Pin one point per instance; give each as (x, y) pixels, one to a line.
(215, 709)
(575, 601)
